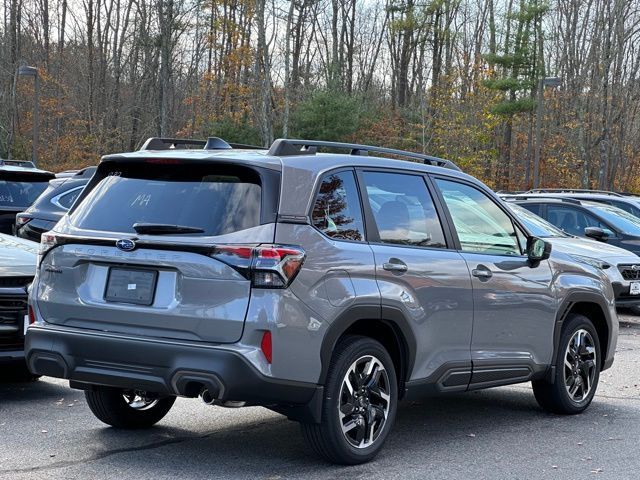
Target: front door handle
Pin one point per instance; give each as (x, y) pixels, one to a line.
(481, 273)
(395, 265)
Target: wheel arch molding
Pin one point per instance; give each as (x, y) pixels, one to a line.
(376, 322)
(592, 306)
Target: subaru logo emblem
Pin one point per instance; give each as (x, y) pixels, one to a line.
(126, 244)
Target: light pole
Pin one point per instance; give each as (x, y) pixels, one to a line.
(26, 71)
(543, 82)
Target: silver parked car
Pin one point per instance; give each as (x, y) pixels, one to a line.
(326, 287)
(618, 263)
(17, 268)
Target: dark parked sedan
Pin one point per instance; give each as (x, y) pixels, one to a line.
(20, 184)
(54, 202)
(599, 221)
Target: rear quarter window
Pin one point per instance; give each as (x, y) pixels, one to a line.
(336, 211)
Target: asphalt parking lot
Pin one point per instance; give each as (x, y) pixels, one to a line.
(47, 431)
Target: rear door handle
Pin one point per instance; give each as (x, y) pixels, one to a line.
(395, 265)
(481, 273)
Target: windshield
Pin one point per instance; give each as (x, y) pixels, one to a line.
(20, 193)
(621, 220)
(214, 202)
(537, 226)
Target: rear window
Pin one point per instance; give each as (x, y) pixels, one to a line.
(21, 192)
(218, 201)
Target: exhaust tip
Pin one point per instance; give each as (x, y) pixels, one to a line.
(207, 397)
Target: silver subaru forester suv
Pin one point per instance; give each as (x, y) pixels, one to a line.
(324, 286)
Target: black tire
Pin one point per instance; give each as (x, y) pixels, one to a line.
(327, 438)
(555, 396)
(110, 406)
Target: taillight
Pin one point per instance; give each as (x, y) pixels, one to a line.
(32, 316)
(47, 241)
(267, 266)
(22, 219)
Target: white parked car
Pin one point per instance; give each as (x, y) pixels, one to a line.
(17, 268)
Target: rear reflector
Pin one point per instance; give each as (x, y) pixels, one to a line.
(266, 347)
(32, 316)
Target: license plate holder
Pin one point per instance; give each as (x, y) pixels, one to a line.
(131, 285)
(634, 288)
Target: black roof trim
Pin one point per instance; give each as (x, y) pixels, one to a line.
(574, 190)
(535, 197)
(289, 147)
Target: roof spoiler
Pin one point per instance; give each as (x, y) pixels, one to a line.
(18, 163)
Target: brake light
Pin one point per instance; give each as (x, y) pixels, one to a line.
(163, 161)
(266, 346)
(267, 266)
(47, 241)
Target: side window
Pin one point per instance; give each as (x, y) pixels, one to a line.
(403, 210)
(481, 225)
(628, 207)
(532, 207)
(337, 211)
(572, 220)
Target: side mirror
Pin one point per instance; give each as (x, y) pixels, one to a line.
(538, 249)
(596, 233)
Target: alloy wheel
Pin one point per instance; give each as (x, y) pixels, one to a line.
(139, 400)
(364, 401)
(580, 365)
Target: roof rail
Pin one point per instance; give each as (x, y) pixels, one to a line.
(573, 190)
(513, 198)
(18, 163)
(287, 147)
(212, 143)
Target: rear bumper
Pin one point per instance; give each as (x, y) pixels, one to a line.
(92, 358)
(11, 356)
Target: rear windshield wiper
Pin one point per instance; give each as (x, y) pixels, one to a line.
(164, 229)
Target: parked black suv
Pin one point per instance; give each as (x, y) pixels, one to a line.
(20, 184)
(581, 218)
(54, 202)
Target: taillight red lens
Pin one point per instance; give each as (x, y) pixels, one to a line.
(47, 241)
(268, 266)
(22, 219)
(276, 266)
(266, 346)
(32, 316)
